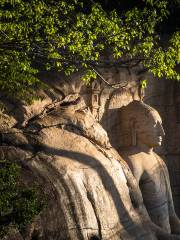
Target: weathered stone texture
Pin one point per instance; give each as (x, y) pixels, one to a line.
(142, 131)
(164, 95)
(92, 194)
(87, 183)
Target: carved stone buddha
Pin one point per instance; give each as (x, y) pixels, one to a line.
(142, 130)
(91, 191)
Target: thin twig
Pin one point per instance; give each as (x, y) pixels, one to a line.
(113, 85)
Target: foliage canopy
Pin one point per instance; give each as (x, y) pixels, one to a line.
(69, 35)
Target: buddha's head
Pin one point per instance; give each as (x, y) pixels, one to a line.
(141, 125)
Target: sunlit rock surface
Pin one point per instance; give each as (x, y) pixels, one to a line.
(91, 192)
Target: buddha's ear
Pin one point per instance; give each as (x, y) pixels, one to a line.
(132, 124)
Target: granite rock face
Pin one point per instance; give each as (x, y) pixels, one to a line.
(91, 191)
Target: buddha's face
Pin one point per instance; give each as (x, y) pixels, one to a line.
(150, 132)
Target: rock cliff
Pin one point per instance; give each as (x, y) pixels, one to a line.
(91, 192)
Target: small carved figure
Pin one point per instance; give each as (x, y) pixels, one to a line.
(142, 130)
